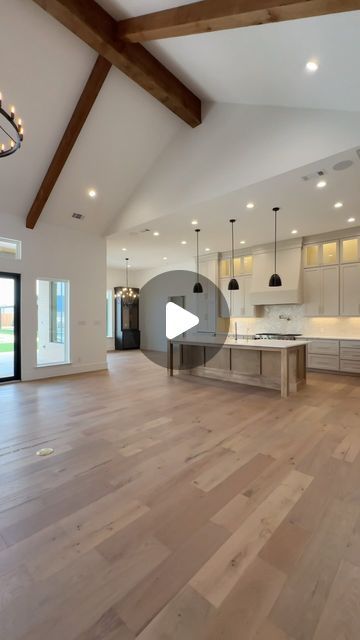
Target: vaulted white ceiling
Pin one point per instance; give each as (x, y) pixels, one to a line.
(43, 69)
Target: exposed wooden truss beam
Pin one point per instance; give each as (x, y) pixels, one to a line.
(215, 15)
(77, 120)
(98, 29)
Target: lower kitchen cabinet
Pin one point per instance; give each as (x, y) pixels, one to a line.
(321, 291)
(350, 289)
(334, 355)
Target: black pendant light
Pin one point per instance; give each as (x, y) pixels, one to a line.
(275, 280)
(197, 286)
(233, 284)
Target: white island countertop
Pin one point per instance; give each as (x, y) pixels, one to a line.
(213, 341)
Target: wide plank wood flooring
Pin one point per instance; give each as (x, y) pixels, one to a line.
(179, 509)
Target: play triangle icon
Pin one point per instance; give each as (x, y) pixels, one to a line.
(178, 320)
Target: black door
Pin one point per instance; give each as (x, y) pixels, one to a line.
(10, 359)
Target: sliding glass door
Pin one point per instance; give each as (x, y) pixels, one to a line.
(9, 326)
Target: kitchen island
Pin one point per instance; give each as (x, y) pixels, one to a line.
(273, 364)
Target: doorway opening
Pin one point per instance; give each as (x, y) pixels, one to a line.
(10, 357)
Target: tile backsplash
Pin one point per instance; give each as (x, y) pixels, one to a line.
(268, 320)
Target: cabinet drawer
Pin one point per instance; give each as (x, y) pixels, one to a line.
(346, 353)
(327, 363)
(326, 347)
(350, 366)
(352, 344)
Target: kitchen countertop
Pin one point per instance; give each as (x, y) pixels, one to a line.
(262, 345)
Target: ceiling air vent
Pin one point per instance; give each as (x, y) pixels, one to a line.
(314, 176)
(343, 165)
(78, 216)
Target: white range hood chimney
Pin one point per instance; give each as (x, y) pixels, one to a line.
(289, 268)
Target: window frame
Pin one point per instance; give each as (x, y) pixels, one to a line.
(66, 342)
(11, 256)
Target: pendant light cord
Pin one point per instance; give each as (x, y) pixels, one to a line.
(127, 273)
(232, 249)
(275, 238)
(197, 254)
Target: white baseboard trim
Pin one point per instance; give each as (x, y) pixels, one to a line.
(42, 373)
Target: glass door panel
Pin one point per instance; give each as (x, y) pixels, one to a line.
(9, 327)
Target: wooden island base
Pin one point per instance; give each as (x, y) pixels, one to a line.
(271, 366)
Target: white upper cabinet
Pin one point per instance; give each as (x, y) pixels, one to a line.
(312, 292)
(350, 289)
(330, 291)
(321, 291)
(238, 302)
(224, 298)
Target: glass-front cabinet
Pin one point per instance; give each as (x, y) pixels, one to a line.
(243, 266)
(321, 254)
(350, 250)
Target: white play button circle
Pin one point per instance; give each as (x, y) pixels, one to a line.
(178, 320)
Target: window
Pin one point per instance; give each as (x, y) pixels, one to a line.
(109, 314)
(10, 248)
(53, 322)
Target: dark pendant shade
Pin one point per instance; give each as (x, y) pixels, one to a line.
(197, 288)
(275, 281)
(233, 285)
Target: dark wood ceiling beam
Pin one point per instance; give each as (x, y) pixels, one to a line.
(76, 123)
(91, 23)
(215, 15)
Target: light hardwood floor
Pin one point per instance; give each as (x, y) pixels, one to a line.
(177, 509)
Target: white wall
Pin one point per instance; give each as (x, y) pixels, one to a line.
(65, 254)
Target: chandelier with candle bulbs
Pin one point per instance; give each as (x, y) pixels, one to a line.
(127, 295)
(12, 131)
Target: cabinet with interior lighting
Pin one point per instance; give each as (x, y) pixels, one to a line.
(321, 254)
(350, 250)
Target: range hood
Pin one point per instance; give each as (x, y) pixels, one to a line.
(289, 262)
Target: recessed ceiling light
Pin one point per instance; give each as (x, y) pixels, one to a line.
(183, 242)
(321, 184)
(312, 66)
(338, 205)
(124, 249)
(351, 219)
(164, 258)
(250, 205)
(242, 241)
(156, 233)
(92, 193)
(207, 249)
(194, 222)
(294, 231)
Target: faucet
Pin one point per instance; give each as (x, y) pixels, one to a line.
(282, 317)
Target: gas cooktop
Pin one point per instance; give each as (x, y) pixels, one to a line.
(277, 336)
